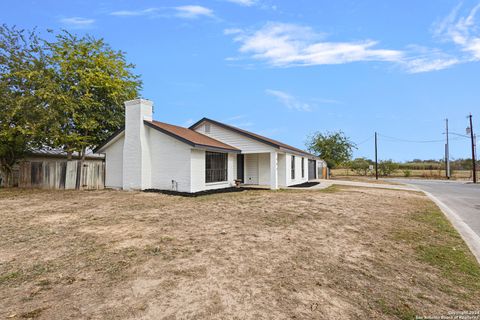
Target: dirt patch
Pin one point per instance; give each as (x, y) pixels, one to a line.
(346, 253)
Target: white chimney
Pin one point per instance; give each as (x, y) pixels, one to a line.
(136, 152)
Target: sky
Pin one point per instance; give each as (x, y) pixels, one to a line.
(287, 69)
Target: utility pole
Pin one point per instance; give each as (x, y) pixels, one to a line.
(376, 157)
(473, 151)
(447, 153)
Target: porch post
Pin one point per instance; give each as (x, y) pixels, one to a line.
(273, 170)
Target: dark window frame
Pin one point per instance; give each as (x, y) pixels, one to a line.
(216, 167)
(292, 167)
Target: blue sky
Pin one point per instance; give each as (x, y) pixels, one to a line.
(288, 68)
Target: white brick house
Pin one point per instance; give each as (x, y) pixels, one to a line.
(148, 154)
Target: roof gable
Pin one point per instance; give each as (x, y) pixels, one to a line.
(254, 136)
(189, 136)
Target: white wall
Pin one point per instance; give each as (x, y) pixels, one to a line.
(251, 169)
(264, 168)
(198, 172)
(235, 139)
(197, 169)
(282, 171)
(298, 170)
(114, 163)
(170, 159)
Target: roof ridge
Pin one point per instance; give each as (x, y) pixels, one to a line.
(264, 139)
(208, 140)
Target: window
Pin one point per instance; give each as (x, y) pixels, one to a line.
(293, 167)
(215, 166)
(303, 167)
(207, 127)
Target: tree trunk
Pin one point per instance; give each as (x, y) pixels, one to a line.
(5, 174)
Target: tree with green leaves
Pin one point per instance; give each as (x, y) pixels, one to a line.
(361, 166)
(387, 167)
(66, 93)
(333, 147)
(92, 82)
(25, 88)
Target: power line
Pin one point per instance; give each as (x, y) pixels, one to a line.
(364, 141)
(411, 141)
(460, 135)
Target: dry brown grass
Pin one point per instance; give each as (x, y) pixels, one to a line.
(364, 179)
(348, 253)
(422, 174)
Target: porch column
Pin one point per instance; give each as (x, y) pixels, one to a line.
(273, 170)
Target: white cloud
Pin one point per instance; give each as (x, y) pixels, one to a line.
(242, 124)
(422, 59)
(192, 12)
(185, 12)
(234, 118)
(429, 64)
(246, 3)
(230, 31)
(284, 45)
(462, 31)
(132, 13)
(188, 122)
(289, 45)
(288, 100)
(77, 22)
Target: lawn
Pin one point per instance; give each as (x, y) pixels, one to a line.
(339, 253)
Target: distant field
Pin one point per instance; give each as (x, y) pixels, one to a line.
(427, 174)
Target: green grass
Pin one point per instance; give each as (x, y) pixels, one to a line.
(398, 309)
(439, 244)
(4, 278)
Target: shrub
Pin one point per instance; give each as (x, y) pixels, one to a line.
(360, 166)
(387, 167)
(407, 173)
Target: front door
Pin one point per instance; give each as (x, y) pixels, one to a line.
(240, 167)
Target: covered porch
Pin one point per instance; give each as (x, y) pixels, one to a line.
(267, 170)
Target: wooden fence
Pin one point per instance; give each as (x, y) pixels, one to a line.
(57, 174)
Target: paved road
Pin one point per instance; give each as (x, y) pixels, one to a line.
(462, 198)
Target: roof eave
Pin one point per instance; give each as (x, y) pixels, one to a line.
(109, 139)
(195, 145)
(217, 149)
(246, 134)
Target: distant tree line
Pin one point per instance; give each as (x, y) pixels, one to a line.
(337, 149)
(362, 166)
(65, 93)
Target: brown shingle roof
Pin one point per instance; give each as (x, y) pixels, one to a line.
(254, 136)
(189, 136)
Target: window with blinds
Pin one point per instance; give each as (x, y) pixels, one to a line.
(216, 166)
